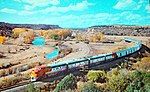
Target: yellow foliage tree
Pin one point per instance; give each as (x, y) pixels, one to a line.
(96, 37)
(80, 37)
(28, 36)
(62, 33)
(2, 39)
(143, 65)
(18, 31)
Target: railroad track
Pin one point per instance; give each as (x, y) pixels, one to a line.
(42, 81)
(123, 53)
(14, 86)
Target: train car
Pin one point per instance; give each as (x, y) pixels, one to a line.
(75, 64)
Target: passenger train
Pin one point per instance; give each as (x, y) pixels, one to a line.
(73, 65)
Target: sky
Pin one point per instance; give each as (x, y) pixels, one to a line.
(76, 13)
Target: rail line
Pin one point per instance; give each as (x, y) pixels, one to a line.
(14, 86)
(93, 61)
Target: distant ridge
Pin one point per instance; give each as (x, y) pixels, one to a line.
(118, 25)
(10, 26)
(6, 28)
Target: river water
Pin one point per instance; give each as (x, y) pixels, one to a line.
(40, 41)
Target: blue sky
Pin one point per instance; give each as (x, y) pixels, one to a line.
(76, 13)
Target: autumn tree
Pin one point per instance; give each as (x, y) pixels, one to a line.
(18, 31)
(28, 36)
(2, 39)
(143, 65)
(80, 37)
(96, 37)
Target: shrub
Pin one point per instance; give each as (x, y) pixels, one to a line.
(68, 82)
(54, 37)
(117, 80)
(143, 65)
(28, 37)
(95, 76)
(18, 31)
(2, 73)
(26, 76)
(6, 81)
(31, 88)
(2, 39)
(140, 81)
(90, 87)
(147, 87)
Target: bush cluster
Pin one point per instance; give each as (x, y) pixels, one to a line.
(68, 82)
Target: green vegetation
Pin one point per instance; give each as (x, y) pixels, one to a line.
(31, 88)
(124, 79)
(68, 82)
(144, 65)
(140, 82)
(90, 87)
(55, 37)
(117, 80)
(96, 76)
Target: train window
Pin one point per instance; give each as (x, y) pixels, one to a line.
(120, 55)
(99, 59)
(91, 61)
(83, 62)
(57, 68)
(103, 58)
(77, 64)
(54, 69)
(96, 60)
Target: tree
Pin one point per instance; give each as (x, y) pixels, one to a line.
(2, 39)
(90, 87)
(96, 76)
(140, 82)
(68, 82)
(18, 31)
(55, 37)
(143, 65)
(117, 80)
(80, 37)
(31, 88)
(27, 36)
(96, 37)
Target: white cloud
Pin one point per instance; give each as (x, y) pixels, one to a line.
(39, 3)
(78, 7)
(127, 5)
(147, 8)
(12, 11)
(87, 20)
(17, 0)
(25, 12)
(28, 10)
(28, 7)
(8, 10)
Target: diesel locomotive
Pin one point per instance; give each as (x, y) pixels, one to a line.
(63, 66)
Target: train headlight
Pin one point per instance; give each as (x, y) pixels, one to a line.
(33, 79)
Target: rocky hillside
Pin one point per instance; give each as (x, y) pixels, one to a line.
(122, 30)
(6, 28)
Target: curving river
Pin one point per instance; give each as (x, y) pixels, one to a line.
(40, 41)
